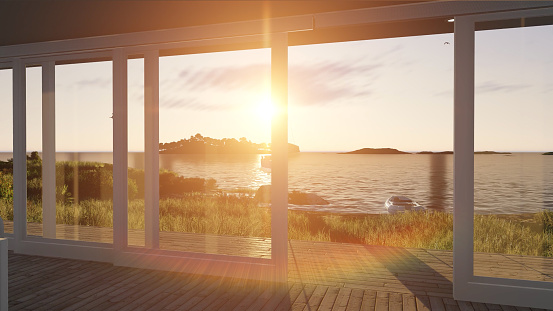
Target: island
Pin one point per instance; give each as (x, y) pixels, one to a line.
(548, 153)
(451, 152)
(490, 152)
(438, 152)
(199, 144)
(376, 151)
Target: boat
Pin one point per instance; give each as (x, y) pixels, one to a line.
(397, 204)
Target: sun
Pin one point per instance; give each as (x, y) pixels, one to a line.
(265, 108)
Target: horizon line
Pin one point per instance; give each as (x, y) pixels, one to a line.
(306, 151)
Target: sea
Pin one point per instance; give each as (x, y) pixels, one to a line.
(360, 183)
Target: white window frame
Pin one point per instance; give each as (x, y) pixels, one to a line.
(271, 32)
(466, 285)
(149, 45)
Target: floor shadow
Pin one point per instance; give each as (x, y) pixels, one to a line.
(423, 272)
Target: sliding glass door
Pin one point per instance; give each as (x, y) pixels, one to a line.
(504, 206)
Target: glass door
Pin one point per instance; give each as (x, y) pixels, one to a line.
(503, 247)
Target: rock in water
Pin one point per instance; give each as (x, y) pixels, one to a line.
(301, 198)
(263, 194)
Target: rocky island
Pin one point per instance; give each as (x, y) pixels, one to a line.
(451, 152)
(376, 151)
(490, 152)
(437, 152)
(199, 144)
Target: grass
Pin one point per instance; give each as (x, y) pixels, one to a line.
(240, 215)
(492, 234)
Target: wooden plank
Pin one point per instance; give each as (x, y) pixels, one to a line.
(199, 296)
(219, 291)
(235, 298)
(369, 300)
(341, 302)
(436, 304)
(140, 300)
(409, 302)
(281, 293)
(355, 300)
(331, 273)
(329, 298)
(293, 294)
(98, 293)
(508, 308)
(396, 302)
(303, 297)
(480, 306)
(180, 284)
(56, 293)
(262, 299)
(316, 298)
(452, 307)
(382, 301)
(423, 303)
(187, 293)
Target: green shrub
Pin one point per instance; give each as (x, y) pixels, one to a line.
(6, 187)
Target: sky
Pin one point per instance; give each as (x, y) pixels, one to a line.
(395, 93)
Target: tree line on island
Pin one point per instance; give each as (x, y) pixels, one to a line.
(199, 144)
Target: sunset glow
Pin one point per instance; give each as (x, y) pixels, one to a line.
(265, 108)
(342, 96)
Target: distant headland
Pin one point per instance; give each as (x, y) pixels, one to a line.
(376, 151)
(199, 144)
(451, 152)
(490, 152)
(395, 151)
(438, 152)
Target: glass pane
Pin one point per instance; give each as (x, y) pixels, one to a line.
(136, 152)
(6, 150)
(34, 149)
(215, 116)
(84, 152)
(513, 173)
(373, 120)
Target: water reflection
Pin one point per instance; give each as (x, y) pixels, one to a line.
(438, 182)
(547, 183)
(231, 171)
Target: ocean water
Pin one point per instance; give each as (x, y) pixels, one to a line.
(352, 183)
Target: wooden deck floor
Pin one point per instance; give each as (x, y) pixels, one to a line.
(322, 276)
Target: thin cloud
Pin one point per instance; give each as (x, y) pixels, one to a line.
(97, 82)
(310, 84)
(225, 78)
(330, 82)
(446, 93)
(489, 87)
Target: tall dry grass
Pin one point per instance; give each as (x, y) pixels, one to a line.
(238, 215)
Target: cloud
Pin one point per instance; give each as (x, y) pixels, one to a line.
(329, 82)
(225, 78)
(318, 83)
(490, 87)
(97, 82)
(446, 93)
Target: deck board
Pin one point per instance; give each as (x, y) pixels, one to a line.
(322, 276)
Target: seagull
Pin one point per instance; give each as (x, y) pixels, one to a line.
(446, 43)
